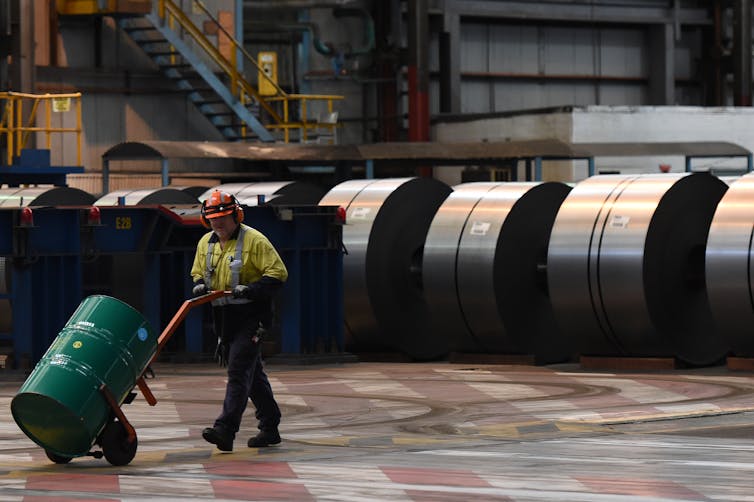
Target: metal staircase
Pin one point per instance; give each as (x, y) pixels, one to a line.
(213, 83)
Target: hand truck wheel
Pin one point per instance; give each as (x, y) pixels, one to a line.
(116, 447)
(58, 459)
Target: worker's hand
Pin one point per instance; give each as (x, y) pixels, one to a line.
(241, 291)
(199, 289)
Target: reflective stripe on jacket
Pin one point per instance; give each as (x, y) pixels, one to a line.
(258, 256)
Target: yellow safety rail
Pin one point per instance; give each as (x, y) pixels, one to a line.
(15, 105)
(171, 13)
(304, 125)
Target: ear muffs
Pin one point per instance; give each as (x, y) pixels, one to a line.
(237, 212)
(203, 216)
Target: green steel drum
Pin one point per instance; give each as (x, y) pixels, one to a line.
(60, 406)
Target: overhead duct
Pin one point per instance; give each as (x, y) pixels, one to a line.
(387, 222)
(728, 266)
(625, 267)
(342, 8)
(298, 4)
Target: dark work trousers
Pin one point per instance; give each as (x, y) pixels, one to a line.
(246, 377)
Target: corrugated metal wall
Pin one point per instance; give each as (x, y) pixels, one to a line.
(508, 61)
(509, 67)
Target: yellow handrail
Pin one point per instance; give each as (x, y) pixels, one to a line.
(240, 48)
(168, 12)
(17, 133)
(171, 10)
(304, 125)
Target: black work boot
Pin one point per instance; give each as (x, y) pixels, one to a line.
(219, 437)
(264, 438)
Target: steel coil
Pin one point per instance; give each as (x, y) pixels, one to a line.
(272, 192)
(360, 323)
(729, 266)
(501, 261)
(483, 269)
(387, 224)
(44, 196)
(439, 264)
(625, 266)
(147, 196)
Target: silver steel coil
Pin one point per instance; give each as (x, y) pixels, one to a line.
(483, 269)
(359, 319)
(625, 266)
(439, 264)
(272, 192)
(386, 226)
(729, 266)
(44, 196)
(501, 258)
(165, 195)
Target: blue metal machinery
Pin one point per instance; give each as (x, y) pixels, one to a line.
(56, 256)
(33, 166)
(45, 276)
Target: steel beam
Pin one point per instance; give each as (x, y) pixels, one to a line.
(580, 12)
(450, 62)
(661, 65)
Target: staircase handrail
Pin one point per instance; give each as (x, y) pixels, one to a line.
(169, 7)
(240, 48)
(239, 84)
(304, 124)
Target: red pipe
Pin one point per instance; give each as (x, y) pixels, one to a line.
(418, 116)
(418, 108)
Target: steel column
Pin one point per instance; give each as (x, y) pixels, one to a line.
(450, 64)
(742, 52)
(661, 65)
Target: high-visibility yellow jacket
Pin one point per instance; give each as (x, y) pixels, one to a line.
(259, 259)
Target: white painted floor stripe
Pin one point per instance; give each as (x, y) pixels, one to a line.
(289, 399)
(523, 481)
(299, 422)
(11, 458)
(506, 391)
(398, 410)
(534, 407)
(369, 482)
(155, 485)
(139, 412)
(384, 387)
(636, 391)
(164, 433)
(690, 408)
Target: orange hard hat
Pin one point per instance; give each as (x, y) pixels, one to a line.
(220, 204)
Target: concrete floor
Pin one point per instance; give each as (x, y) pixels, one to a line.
(421, 432)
